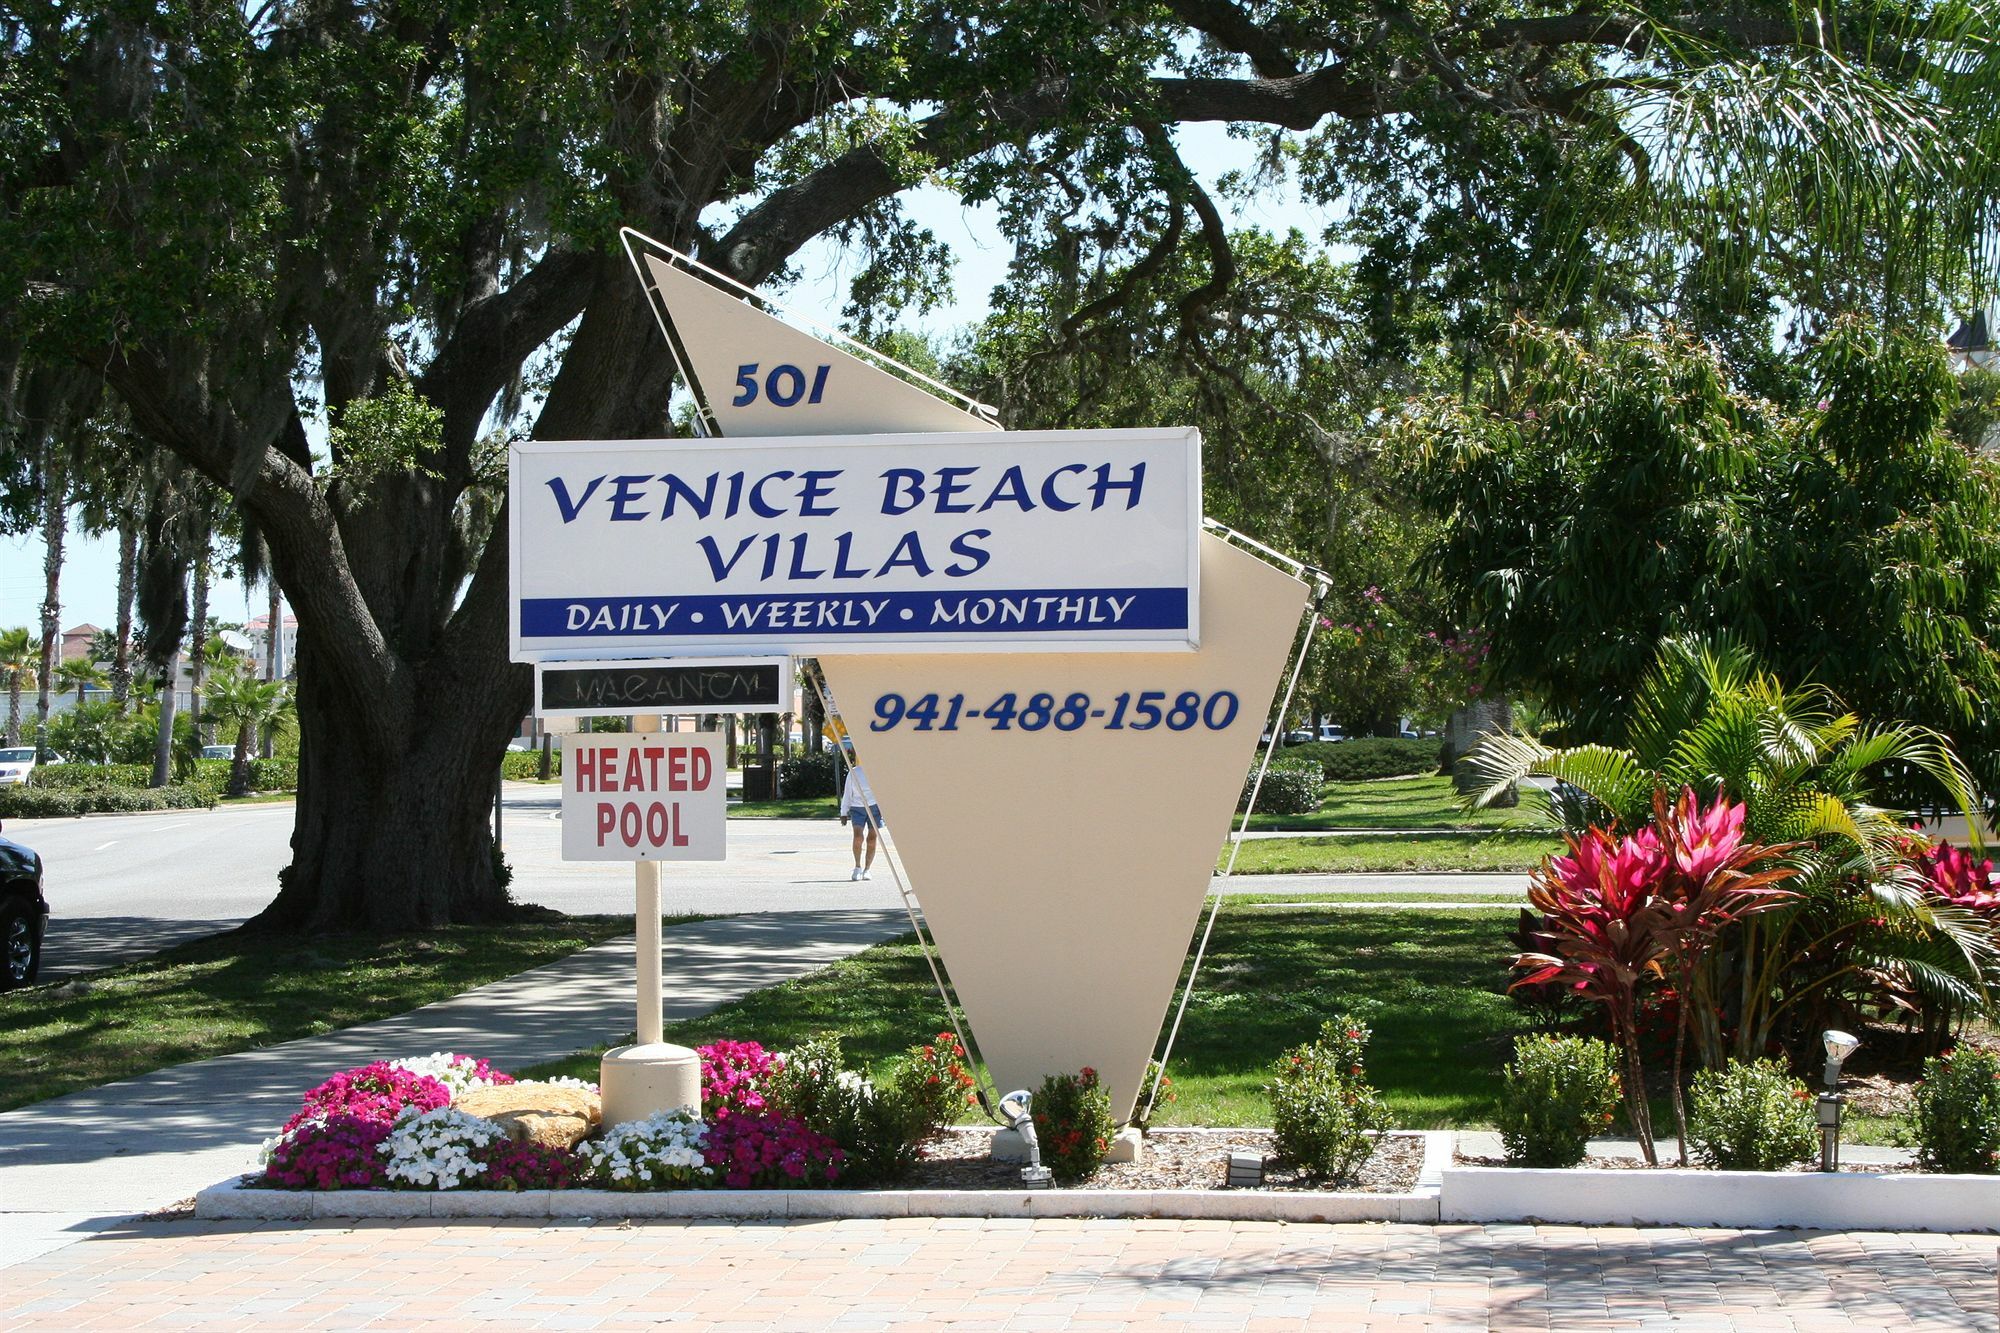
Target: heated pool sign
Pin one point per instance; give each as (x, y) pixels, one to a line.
(643, 796)
(954, 541)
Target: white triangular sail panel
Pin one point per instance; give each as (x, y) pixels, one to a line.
(1062, 872)
(753, 374)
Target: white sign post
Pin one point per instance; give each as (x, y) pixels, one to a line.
(646, 796)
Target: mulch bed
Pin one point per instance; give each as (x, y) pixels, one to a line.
(1173, 1160)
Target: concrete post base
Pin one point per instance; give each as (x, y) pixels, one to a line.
(639, 1081)
(1008, 1146)
(1129, 1146)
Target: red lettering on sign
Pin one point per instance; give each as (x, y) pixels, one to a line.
(703, 764)
(607, 819)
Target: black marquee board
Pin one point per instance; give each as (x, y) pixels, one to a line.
(689, 685)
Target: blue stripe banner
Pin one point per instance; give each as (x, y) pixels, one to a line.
(788, 615)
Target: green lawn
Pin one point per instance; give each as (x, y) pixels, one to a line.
(1427, 802)
(811, 807)
(1431, 984)
(1388, 852)
(232, 993)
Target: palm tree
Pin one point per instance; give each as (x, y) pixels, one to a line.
(79, 674)
(1863, 931)
(20, 655)
(237, 698)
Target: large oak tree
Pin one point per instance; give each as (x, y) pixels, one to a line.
(401, 214)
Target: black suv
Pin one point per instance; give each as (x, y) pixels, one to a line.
(24, 913)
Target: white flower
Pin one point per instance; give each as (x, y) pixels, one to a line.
(454, 1071)
(426, 1147)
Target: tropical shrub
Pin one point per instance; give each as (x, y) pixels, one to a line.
(1324, 1115)
(1291, 787)
(664, 1151)
(1155, 1090)
(1751, 1116)
(1860, 933)
(89, 776)
(1073, 1125)
(879, 1128)
(1954, 1118)
(934, 1079)
(1556, 1094)
(1618, 912)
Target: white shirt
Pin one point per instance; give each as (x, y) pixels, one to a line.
(857, 795)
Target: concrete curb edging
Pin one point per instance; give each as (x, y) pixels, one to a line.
(1841, 1201)
(233, 1200)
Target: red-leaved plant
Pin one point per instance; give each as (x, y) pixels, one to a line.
(1618, 911)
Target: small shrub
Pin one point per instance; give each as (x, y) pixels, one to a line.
(274, 775)
(1751, 1117)
(1954, 1118)
(1073, 1124)
(1324, 1115)
(935, 1081)
(810, 773)
(1291, 787)
(1149, 1102)
(879, 1129)
(1557, 1093)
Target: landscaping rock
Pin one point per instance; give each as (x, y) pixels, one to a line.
(540, 1113)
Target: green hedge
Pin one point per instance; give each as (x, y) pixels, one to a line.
(274, 775)
(809, 774)
(28, 802)
(1367, 757)
(526, 765)
(89, 777)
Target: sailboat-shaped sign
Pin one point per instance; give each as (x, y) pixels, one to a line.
(1059, 812)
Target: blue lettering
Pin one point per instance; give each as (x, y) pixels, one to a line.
(908, 477)
(948, 485)
(1104, 483)
(1049, 496)
(817, 484)
(569, 509)
(758, 505)
(699, 501)
(716, 564)
(909, 551)
(966, 544)
(1013, 488)
(624, 490)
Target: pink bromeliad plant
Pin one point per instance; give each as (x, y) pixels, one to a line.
(1619, 911)
(1951, 874)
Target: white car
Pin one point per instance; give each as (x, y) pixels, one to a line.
(16, 764)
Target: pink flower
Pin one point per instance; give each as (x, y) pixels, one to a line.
(1705, 839)
(371, 1092)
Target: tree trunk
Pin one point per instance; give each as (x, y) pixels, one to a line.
(198, 640)
(13, 708)
(274, 645)
(239, 768)
(55, 525)
(163, 742)
(128, 577)
(393, 837)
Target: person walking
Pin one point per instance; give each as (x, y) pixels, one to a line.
(857, 807)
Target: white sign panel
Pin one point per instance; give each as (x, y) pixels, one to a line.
(1047, 541)
(644, 796)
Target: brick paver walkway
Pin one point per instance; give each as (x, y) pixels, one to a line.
(917, 1273)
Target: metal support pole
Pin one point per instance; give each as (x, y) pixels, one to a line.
(646, 914)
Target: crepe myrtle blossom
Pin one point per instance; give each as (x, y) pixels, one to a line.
(438, 1149)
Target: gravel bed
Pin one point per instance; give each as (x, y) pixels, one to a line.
(1173, 1160)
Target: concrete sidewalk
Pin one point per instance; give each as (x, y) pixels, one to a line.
(74, 1165)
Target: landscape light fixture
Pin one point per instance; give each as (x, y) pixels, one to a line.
(1015, 1106)
(1839, 1045)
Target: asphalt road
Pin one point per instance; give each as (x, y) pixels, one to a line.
(125, 885)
